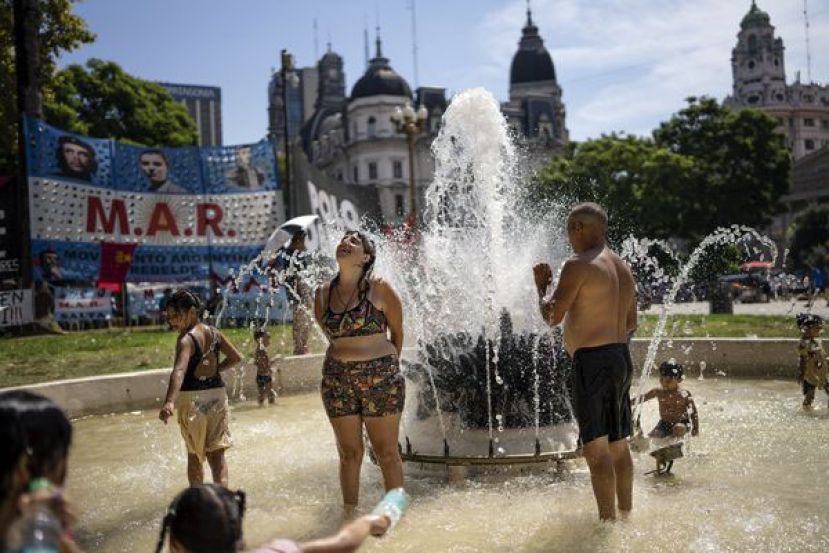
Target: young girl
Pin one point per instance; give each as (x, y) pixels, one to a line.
(196, 390)
(35, 436)
(813, 365)
(264, 374)
(208, 517)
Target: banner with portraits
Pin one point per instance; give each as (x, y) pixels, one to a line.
(104, 211)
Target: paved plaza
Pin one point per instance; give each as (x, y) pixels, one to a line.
(789, 307)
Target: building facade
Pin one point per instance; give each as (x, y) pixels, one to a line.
(535, 111)
(759, 81)
(352, 140)
(204, 104)
(298, 96)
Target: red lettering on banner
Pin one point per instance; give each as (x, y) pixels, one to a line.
(95, 213)
(209, 215)
(162, 220)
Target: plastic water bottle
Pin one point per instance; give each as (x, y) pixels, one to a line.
(37, 531)
(392, 505)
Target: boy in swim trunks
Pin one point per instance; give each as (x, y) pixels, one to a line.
(814, 364)
(677, 410)
(264, 374)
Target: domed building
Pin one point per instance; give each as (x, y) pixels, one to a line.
(353, 142)
(535, 111)
(759, 81)
(801, 110)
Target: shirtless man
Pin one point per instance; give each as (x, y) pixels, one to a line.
(595, 298)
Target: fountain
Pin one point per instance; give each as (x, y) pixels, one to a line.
(487, 381)
(487, 384)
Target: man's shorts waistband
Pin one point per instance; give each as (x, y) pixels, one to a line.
(605, 347)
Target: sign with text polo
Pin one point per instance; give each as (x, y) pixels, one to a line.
(338, 203)
(16, 307)
(111, 212)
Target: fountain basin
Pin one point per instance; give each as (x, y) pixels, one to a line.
(731, 491)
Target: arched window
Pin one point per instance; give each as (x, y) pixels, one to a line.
(372, 127)
(752, 43)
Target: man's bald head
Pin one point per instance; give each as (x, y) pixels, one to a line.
(589, 214)
(587, 223)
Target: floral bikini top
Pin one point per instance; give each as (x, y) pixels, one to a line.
(363, 320)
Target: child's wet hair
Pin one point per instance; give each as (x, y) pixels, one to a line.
(182, 300)
(44, 428)
(206, 518)
(671, 369)
(260, 333)
(14, 444)
(808, 320)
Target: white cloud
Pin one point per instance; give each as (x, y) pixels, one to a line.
(628, 64)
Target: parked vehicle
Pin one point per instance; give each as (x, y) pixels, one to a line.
(748, 287)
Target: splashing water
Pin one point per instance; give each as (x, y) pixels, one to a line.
(471, 272)
(735, 234)
(474, 265)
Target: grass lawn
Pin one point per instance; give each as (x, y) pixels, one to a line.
(32, 359)
(721, 326)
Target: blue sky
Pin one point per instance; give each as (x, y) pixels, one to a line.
(624, 65)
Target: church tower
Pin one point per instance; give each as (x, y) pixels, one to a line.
(801, 109)
(757, 62)
(331, 91)
(535, 111)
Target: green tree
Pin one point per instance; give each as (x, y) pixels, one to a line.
(741, 165)
(809, 236)
(100, 99)
(716, 260)
(61, 31)
(704, 168)
(638, 180)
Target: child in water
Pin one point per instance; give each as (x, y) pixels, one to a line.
(264, 375)
(677, 410)
(209, 517)
(813, 363)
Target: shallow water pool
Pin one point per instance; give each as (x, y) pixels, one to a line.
(754, 480)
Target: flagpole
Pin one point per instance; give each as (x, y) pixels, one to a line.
(124, 303)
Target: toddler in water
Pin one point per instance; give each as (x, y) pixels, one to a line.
(677, 411)
(264, 375)
(813, 364)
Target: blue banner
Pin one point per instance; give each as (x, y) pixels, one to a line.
(110, 212)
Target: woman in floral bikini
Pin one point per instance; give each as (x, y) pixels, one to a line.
(361, 380)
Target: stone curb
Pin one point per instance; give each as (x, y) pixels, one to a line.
(115, 393)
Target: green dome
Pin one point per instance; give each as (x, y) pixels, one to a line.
(755, 18)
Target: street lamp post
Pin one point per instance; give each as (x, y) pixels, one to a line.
(289, 78)
(410, 122)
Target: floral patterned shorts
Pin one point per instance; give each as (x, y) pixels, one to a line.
(373, 388)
